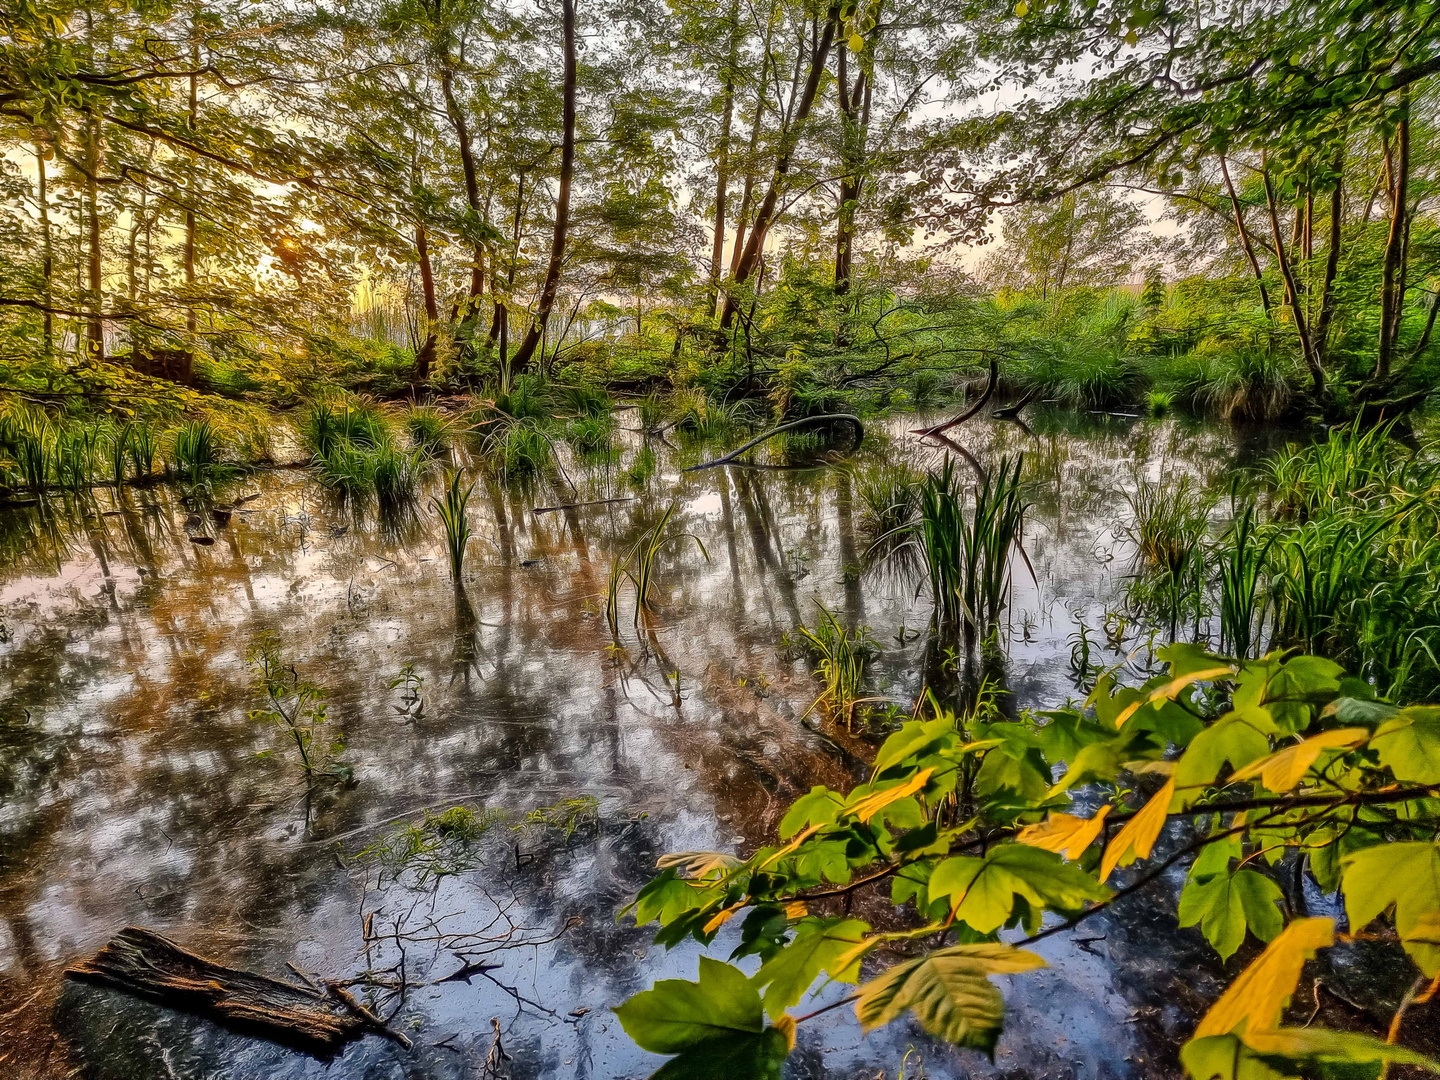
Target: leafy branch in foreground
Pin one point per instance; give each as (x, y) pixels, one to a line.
(1267, 761)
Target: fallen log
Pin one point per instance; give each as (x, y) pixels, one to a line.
(968, 413)
(806, 421)
(144, 963)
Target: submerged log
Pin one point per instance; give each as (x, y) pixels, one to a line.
(142, 962)
(807, 421)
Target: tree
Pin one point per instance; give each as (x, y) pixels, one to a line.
(1087, 237)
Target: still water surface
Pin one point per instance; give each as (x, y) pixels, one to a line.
(137, 788)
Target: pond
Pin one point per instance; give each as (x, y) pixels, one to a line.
(142, 783)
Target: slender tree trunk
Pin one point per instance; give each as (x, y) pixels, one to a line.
(855, 127)
(1245, 243)
(95, 325)
(502, 312)
(562, 202)
(722, 157)
(765, 213)
(472, 176)
(47, 253)
(1317, 373)
(189, 254)
(425, 355)
(1392, 293)
(1332, 261)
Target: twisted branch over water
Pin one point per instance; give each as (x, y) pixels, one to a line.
(807, 421)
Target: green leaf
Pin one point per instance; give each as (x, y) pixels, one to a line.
(949, 991)
(820, 807)
(1238, 737)
(760, 1056)
(1318, 1051)
(1409, 744)
(914, 738)
(1224, 1057)
(1404, 875)
(818, 944)
(1226, 904)
(982, 892)
(676, 1015)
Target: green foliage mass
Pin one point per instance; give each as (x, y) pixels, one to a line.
(1238, 768)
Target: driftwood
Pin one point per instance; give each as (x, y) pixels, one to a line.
(142, 962)
(577, 505)
(968, 413)
(807, 421)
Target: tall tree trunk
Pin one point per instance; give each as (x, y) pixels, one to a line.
(1245, 242)
(425, 355)
(765, 213)
(47, 253)
(855, 127)
(501, 316)
(472, 176)
(1392, 293)
(562, 201)
(1332, 260)
(94, 325)
(188, 257)
(722, 158)
(1317, 373)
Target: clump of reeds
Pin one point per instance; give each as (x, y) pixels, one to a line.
(642, 467)
(195, 449)
(588, 400)
(144, 447)
(840, 658)
(327, 424)
(429, 431)
(967, 559)
(1241, 559)
(524, 450)
(1168, 526)
(889, 503)
(394, 473)
(451, 509)
(637, 566)
(591, 434)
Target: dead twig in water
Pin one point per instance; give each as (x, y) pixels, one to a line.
(807, 421)
(351, 1002)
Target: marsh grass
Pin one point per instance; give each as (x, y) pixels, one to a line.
(591, 434)
(524, 450)
(889, 504)
(1241, 561)
(328, 424)
(637, 566)
(1254, 385)
(1083, 374)
(195, 449)
(394, 473)
(840, 657)
(76, 452)
(144, 447)
(967, 559)
(1169, 520)
(429, 432)
(450, 508)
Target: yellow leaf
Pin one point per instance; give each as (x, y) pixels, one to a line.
(1285, 768)
(856, 43)
(1065, 833)
(721, 917)
(872, 804)
(1022, 9)
(697, 864)
(786, 1026)
(796, 909)
(1131, 38)
(1256, 999)
(1138, 836)
(1169, 691)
